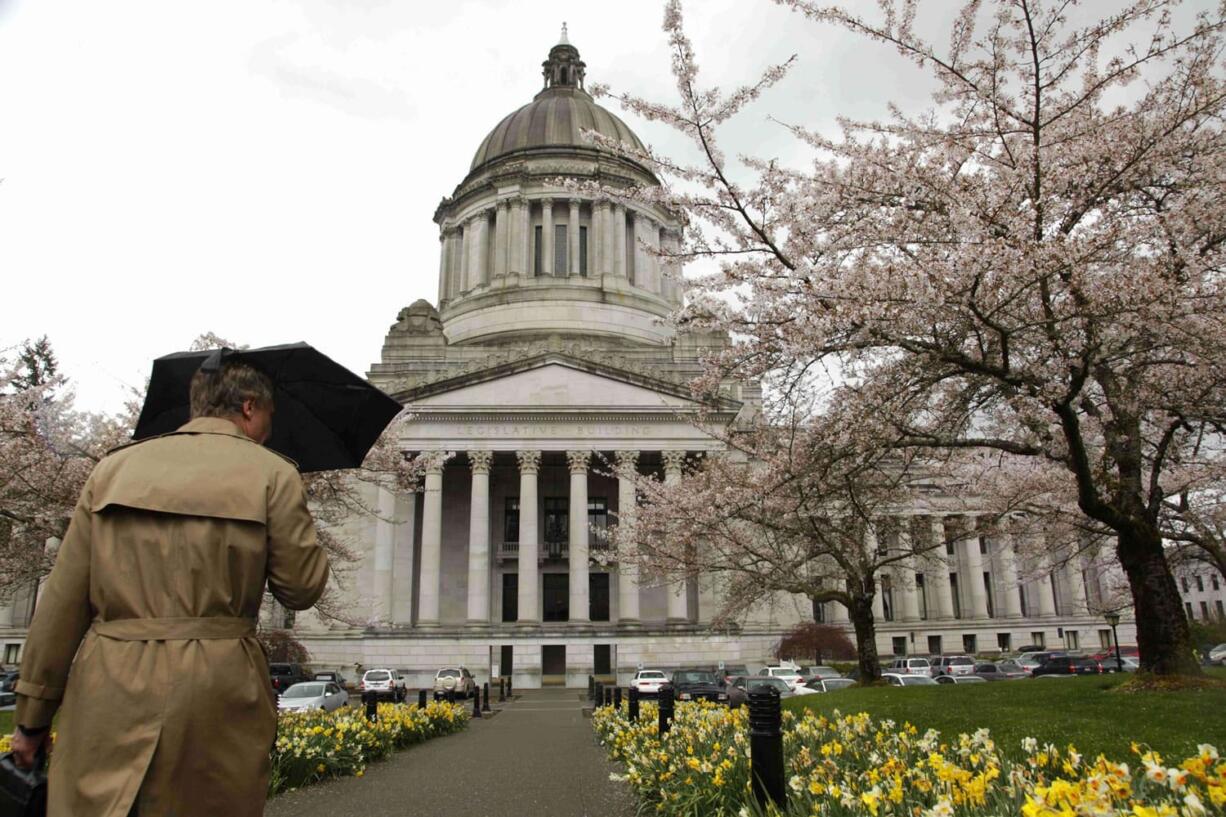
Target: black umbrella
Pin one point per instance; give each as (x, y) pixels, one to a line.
(326, 417)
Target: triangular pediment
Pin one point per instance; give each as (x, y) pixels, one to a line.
(554, 382)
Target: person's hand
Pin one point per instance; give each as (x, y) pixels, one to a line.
(25, 749)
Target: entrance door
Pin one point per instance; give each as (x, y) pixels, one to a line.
(506, 662)
(556, 595)
(553, 665)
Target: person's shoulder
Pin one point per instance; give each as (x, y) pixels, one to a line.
(226, 446)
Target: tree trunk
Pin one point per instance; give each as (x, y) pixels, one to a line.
(861, 614)
(1163, 635)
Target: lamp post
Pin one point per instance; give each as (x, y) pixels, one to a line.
(1113, 618)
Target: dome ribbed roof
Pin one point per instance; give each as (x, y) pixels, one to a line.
(556, 118)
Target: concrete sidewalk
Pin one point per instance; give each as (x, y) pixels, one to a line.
(537, 757)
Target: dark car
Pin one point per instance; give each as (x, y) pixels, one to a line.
(740, 687)
(284, 676)
(1067, 665)
(698, 684)
(731, 671)
(336, 678)
(8, 688)
(1000, 671)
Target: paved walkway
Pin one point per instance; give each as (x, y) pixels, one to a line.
(537, 757)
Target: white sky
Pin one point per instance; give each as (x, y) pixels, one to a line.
(268, 169)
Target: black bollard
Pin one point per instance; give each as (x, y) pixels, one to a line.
(632, 708)
(438, 696)
(485, 698)
(591, 687)
(501, 689)
(477, 702)
(510, 688)
(421, 699)
(451, 695)
(665, 696)
(598, 698)
(372, 706)
(617, 698)
(608, 696)
(766, 748)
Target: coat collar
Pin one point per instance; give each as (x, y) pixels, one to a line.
(211, 425)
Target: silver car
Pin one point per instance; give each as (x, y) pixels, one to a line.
(325, 695)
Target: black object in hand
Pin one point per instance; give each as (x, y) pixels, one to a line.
(23, 792)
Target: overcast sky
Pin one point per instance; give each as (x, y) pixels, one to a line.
(267, 170)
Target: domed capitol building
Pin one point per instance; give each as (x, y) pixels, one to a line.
(550, 374)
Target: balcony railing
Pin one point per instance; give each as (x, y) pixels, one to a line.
(548, 551)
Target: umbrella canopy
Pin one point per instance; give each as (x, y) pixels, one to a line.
(326, 417)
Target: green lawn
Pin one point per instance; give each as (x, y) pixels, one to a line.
(6, 723)
(1082, 711)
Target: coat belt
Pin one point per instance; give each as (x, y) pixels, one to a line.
(175, 629)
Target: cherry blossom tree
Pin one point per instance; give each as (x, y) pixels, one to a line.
(1032, 267)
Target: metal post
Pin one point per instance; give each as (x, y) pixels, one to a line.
(633, 707)
(608, 696)
(372, 706)
(501, 689)
(421, 699)
(665, 696)
(598, 700)
(766, 747)
(451, 695)
(510, 689)
(477, 702)
(617, 698)
(591, 688)
(438, 696)
(485, 698)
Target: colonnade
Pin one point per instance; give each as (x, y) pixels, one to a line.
(498, 240)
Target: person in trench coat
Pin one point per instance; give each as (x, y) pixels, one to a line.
(167, 709)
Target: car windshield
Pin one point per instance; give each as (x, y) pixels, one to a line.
(916, 680)
(280, 669)
(449, 673)
(304, 691)
(775, 683)
(960, 661)
(651, 676)
(694, 677)
(377, 675)
(735, 669)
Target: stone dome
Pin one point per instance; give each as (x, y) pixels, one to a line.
(557, 116)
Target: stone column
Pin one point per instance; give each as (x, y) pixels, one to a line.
(627, 566)
(619, 240)
(678, 609)
(502, 230)
(546, 236)
(529, 576)
(1078, 605)
(403, 545)
(974, 567)
(580, 603)
(1011, 604)
(479, 539)
(838, 612)
(525, 238)
(906, 574)
(871, 546)
(646, 235)
(384, 543)
(483, 248)
(942, 592)
(595, 243)
(572, 237)
(442, 266)
(431, 543)
(460, 274)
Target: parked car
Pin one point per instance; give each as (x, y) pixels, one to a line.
(999, 671)
(323, 695)
(959, 679)
(1125, 663)
(697, 684)
(284, 676)
(897, 679)
(830, 684)
(821, 671)
(953, 665)
(731, 671)
(1066, 666)
(8, 688)
(1030, 661)
(1217, 655)
(385, 683)
(789, 675)
(648, 681)
(910, 666)
(741, 685)
(455, 678)
(335, 677)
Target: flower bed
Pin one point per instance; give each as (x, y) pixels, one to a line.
(312, 746)
(851, 765)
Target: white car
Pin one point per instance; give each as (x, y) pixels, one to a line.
(1217, 655)
(325, 695)
(648, 681)
(954, 665)
(802, 689)
(385, 683)
(901, 680)
(911, 666)
(789, 675)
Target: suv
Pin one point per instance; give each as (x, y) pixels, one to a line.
(455, 678)
(1067, 665)
(284, 676)
(696, 684)
(384, 683)
(911, 666)
(953, 665)
(788, 675)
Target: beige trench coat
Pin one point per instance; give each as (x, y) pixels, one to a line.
(158, 581)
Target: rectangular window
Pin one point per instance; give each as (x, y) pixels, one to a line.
(1188, 606)
(949, 548)
(510, 597)
(887, 599)
(900, 645)
(1184, 581)
(934, 645)
(1221, 611)
(602, 659)
(970, 643)
(556, 526)
(583, 250)
(987, 589)
(506, 662)
(922, 592)
(983, 546)
(560, 250)
(631, 246)
(1214, 582)
(955, 595)
(1070, 639)
(510, 525)
(1038, 639)
(598, 522)
(1004, 642)
(819, 612)
(1021, 592)
(1204, 610)
(598, 596)
(1104, 639)
(1200, 584)
(555, 593)
(537, 251)
(12, 653)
